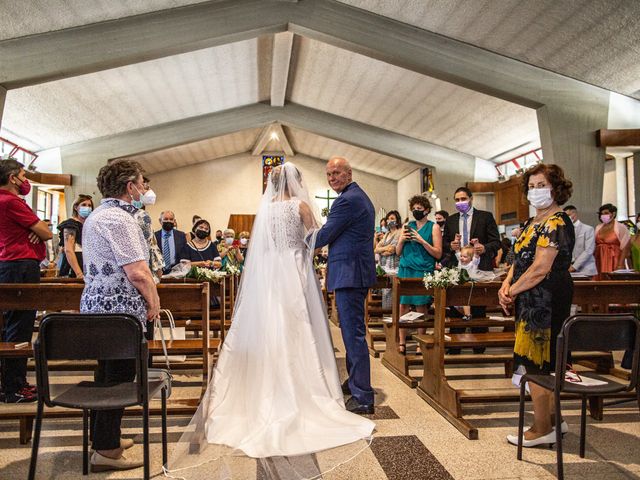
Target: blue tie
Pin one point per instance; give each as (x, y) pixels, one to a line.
(166, 250)
(465, 230)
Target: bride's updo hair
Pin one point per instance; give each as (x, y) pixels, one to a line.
(277, 173)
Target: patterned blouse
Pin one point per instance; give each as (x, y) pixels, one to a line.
(112, 238)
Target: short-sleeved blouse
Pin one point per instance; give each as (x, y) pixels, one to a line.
(195, 254)
(112, 239)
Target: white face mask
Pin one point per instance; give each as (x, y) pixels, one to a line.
(149, 198)
(243, 241)
(540, 197)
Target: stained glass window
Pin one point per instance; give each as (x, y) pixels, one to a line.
(269, 162)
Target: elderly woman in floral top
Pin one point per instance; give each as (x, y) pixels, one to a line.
(117, 280)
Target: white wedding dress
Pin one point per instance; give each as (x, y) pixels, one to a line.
(275, 391)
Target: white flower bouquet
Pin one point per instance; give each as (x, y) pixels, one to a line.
(445, 278)
(206, 274)
(231, 269)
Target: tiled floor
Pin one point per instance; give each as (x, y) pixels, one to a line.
(412, 441)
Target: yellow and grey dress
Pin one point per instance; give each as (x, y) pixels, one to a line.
(541, 310)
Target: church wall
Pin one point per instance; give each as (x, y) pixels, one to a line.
(218, 188)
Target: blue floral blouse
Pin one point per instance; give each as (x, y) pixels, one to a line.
(112, 238)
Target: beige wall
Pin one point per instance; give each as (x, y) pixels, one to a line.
(218, 188)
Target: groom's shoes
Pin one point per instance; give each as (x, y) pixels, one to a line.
(345, 388)
(354, 407)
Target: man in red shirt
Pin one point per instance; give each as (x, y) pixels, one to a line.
(22, 248)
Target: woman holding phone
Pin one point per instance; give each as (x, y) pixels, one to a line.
(419, 247)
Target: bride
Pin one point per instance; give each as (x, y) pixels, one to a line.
(275, 391)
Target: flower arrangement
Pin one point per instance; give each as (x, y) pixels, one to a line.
(231, 269)
(446, 278)
(380, 271)
(325, 212)
(206, 274)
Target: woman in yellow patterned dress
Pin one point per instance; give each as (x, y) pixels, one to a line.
(540, 287)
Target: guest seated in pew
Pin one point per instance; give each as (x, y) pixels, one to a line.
(118, 280)
(540, 288)
(200, 250)
(244, 244)
(419, 247)
(612, 238)
(22, 248)
(71, 237)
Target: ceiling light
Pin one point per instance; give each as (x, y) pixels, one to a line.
(274, 136)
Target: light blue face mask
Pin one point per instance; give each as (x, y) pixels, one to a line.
(84, 212)
(137, 203)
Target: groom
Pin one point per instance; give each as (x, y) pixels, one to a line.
(351, 268)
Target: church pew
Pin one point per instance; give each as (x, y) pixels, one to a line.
(400, 363)
(434, 386)
(65, 295)
(373, 314)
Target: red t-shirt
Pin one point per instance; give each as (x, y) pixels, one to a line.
(15, 220)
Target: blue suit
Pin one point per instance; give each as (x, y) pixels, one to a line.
(351, 269)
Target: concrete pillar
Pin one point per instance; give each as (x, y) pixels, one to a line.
(621, 188)
(3, 95)
(636, 180)
(567, 134)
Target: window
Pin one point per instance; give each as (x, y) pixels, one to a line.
(43, 206)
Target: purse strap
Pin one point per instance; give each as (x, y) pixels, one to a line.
(157, 323)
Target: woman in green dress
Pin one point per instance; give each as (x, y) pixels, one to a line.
(419, 247)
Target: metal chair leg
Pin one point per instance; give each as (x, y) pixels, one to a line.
(583, 426)
(85, 442)
(145, 431)
(36, 441)
(559, 461)
(164, 427)
(521, 418)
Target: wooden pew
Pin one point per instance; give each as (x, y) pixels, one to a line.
(434, 386)
(373, 314)
(401, 363)
(66, 296)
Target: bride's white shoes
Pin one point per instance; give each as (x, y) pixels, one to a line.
(548, 439)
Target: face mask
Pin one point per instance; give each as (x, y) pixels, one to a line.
(84, 212)
(201, 234)
(605, 218)
(419, 214)
(540, 197)
(149, 198)
(24, 188)
(218, 237)
(392, 224)
(137, 203)
(384, 229)
(463, 207)
(228, 241)
(167, 226)
(243, 241)
(441, 223)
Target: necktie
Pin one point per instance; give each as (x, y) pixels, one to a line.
(465, 230)
(166, 250)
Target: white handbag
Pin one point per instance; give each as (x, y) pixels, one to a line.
(172, 332)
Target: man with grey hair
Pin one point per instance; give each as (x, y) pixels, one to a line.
(351, 271)
(172, 242)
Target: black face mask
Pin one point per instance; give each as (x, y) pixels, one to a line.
(201, 234)
(419, 214)
(392, 224)
(218, 237)
(441, 223)
(167, 226)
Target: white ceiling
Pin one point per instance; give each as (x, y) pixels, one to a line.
(592, 40)
(324, 148)
(392, 98)
(596, 41)
(197, 152)
(29, 17)
(139, 95)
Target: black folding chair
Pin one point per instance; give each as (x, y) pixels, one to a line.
(585, 333)
(96, 337)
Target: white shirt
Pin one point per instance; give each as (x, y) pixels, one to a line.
(461, 225)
